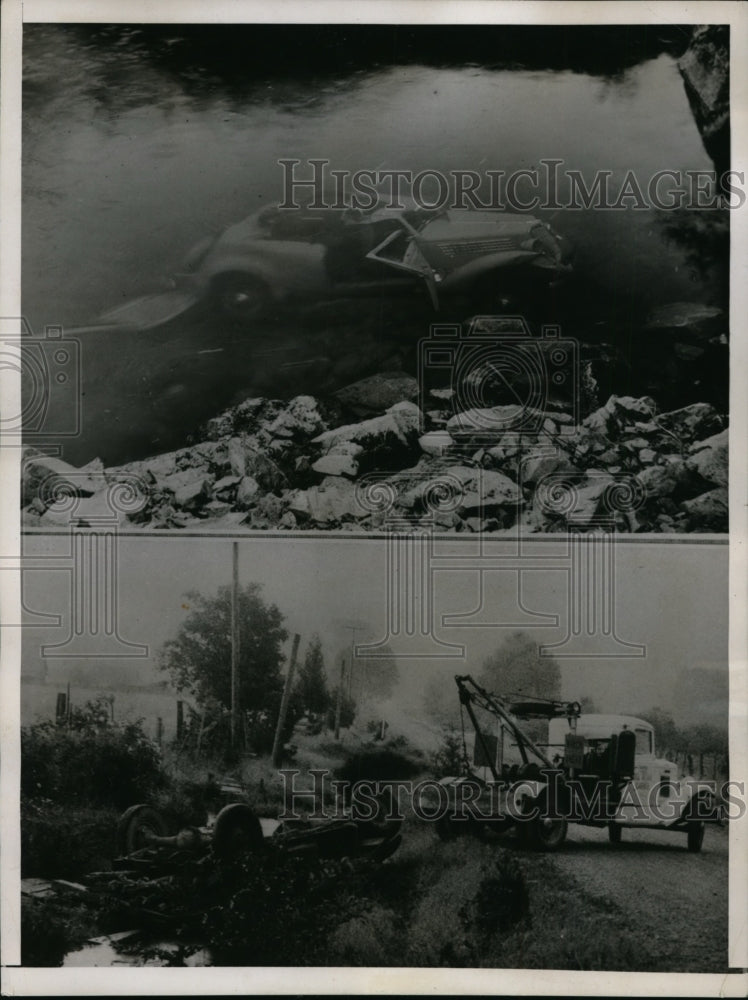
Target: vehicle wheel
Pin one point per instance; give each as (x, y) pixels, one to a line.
(241, 297)
(546, 834)
(696, 829)
(615, 832)
(237, 831)
(135, 828)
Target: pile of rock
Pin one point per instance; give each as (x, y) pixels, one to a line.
(372, 459)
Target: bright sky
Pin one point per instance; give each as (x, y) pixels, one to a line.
(669, 598)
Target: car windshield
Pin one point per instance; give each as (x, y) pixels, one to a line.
(417, 218)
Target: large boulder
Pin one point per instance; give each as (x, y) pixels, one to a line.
(708, 512)
(710, 458)
(52, 476)
(468, 491)
(385, 440)
(671, 478)
(326, 505)
(538, 465)
(378, 393)
(246, 459)
(300, 419)
(488, 425)
(436, 443)
(691, 423)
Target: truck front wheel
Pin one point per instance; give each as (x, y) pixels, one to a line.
(545, 833)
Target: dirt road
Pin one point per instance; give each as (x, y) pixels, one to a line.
(677, 899)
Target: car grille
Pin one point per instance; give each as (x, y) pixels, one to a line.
(476, 247)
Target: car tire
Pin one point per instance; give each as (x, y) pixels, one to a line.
(240, 297)
(237, 831)
(695, 835)
(615, 833)
(135, 828)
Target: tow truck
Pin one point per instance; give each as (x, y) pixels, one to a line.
(594, 770)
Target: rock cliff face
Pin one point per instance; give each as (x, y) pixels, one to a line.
(705, 68)
(335, 464)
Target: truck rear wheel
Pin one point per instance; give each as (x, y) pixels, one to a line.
(695, 833)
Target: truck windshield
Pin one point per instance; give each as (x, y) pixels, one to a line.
(643, 741)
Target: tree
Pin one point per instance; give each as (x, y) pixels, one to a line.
(667, 736)
(517, 668)
(199, 657)
(311, 687)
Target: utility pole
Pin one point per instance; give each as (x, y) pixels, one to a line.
(277, 745)
(235, 646)
(353, 629)
(339, 699)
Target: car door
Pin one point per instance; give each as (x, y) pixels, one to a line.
(399, 250)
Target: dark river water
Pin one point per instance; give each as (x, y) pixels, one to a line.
(130, 158)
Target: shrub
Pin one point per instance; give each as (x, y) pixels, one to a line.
(449, 758)
(61, 841)
(370, 938)
(380, 764)
(49, 930)
(502, 899)
(89, 760)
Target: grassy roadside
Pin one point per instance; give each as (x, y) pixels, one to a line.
(466, 903)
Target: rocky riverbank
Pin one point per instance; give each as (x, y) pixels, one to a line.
(380, 455)
(705, 68)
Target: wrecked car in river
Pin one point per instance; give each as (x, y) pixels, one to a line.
(280, 257)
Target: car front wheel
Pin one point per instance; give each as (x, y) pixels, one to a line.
(241, 297)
